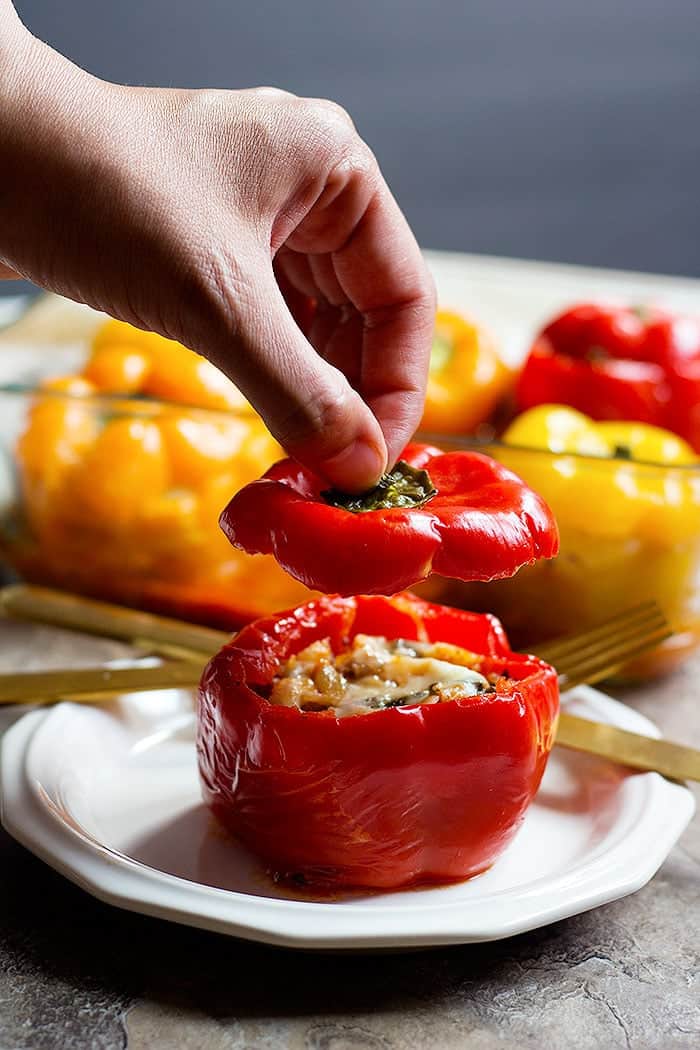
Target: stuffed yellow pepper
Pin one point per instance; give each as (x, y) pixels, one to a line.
(627, 500)
(124, 470)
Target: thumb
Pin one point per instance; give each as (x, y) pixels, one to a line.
(307, 404)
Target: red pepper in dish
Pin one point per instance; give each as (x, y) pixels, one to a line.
(619, 363)
(459, 514)
(374, 741)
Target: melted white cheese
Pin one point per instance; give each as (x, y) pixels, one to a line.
(404, 675)
(375, 673)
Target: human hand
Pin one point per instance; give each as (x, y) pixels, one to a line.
(167, 209)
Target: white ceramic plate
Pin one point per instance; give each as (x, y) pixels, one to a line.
(110, 798)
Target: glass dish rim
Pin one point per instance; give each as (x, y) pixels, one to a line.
(449, 442)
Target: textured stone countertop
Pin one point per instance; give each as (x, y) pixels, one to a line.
(75, 973)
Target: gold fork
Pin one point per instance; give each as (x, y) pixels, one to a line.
(156, 634)
(596, 654)
(590, 656)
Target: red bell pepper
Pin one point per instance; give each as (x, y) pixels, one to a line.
(466, 516)
(390, 798)
(618, 363)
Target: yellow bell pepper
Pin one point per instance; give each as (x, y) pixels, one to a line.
(619, 479)
(562, 429)
(467, 377)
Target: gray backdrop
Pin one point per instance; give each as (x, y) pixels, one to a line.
(550, 129)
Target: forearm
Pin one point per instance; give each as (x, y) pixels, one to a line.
(10, 29)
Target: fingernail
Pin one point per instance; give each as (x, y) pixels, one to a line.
(357, 468)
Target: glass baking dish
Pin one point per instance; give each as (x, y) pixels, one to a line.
(118, 498)
(630, 532)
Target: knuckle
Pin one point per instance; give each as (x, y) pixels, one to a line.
(205, 100)
(333, 112)
(358, 163)
(328, 120)
(268, 93)
(261, 121)
(265, 143)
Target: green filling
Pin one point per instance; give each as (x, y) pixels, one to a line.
(404, 486)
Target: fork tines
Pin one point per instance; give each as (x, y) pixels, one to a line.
(597, 653)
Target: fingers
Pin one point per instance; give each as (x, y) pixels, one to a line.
(308, 405)
(340, 237)
(336, 329)
(355, 248)
(318, 202)
(382, 271)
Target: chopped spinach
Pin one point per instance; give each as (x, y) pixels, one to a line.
(404, 486)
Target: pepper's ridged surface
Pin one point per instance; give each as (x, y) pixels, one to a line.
(483, 523)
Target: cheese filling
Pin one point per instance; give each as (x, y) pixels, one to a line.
(376, 673)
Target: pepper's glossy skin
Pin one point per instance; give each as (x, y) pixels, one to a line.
(630, 498)
(386, 799)
(617, 363)
(483, 523)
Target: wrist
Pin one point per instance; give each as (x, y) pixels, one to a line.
(53, 129)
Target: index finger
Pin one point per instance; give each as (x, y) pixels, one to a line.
(382, 271)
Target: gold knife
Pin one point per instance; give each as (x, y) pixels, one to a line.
(93, 685)
(628, 749)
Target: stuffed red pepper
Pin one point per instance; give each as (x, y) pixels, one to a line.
(619, 363)
(375, 742)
